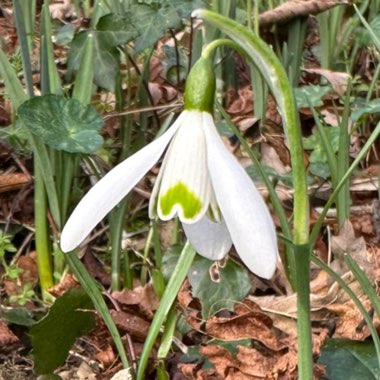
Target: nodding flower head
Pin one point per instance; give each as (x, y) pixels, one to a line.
(200, 181)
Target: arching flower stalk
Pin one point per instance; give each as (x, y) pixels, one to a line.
(200, 181)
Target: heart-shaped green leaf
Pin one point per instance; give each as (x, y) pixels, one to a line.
(233, 282)
(63, 124)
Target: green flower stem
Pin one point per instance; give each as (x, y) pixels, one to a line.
(262, 56)
(305, 349)
(178, 276)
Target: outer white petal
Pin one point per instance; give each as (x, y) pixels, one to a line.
(208, 238)
(244, 210)
(184, 184)
(111, 189)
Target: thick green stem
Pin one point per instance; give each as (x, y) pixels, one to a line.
(273, 72)
(305, 352)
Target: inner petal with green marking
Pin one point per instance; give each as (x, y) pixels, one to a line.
(179, 198)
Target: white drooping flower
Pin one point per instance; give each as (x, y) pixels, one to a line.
(200, 181)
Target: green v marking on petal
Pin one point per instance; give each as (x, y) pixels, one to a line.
(181, 195)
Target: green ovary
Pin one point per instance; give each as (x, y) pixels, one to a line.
(179, 194)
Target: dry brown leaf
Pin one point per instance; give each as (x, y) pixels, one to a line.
(67, 282)
(330, 118)
(349, 322)
(190, 306)
(28, 275)
(130, 323)
(6, 336)
(142, 296)
(249, 322)
(96, 268)
(271, 158)
(347, 243)
(61, 10)
(184, 296)
(106, 356)
(220, 357)
(254, 363)
(192, 372)
(297, 8)
(13, 181)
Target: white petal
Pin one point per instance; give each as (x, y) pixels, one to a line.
(111, 189)
(209, 239)
(184, 184)
(243, 209)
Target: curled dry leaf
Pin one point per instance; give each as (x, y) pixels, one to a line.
(13, 181)
(190, 306)
(297, 8)
(68, 282)
(220, 357)
(349, 321)
(248, 322)
(106, 356)
(142, 296)
(6, 335)
(131, 323)
(347, 243)
(250, 363)
(61, 10)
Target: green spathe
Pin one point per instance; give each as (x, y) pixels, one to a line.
(200, 87)
(181, 195)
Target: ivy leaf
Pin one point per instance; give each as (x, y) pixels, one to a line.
(233, 286)
(185, 7)
(364, 108)
(114, 29)
(363, 36)
(106, 58)
(318, 157)
(349, 360)
(310, 95)
(63, 124)
(53, 336)
(152, 24)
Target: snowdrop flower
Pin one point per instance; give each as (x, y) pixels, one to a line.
(200, 181)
